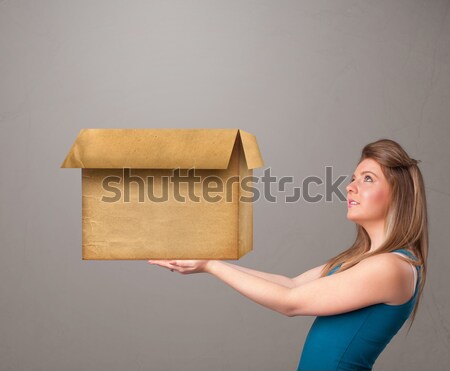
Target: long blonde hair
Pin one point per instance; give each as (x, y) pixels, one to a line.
(406, 221)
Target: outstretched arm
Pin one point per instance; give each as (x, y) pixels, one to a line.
(276, 278)
(377, 279)
(303, 278)
(269, 294)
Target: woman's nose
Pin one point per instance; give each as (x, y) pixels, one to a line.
(350, 186)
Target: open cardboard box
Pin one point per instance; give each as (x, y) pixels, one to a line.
(156, 193)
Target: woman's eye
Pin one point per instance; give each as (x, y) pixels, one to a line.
(367, 176)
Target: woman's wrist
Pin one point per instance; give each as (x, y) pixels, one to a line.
(209, 266)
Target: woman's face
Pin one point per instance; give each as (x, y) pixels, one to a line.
(371, 190)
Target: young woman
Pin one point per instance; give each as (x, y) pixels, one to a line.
(364, 295)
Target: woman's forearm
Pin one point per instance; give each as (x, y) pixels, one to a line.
(276, 278)
(269, 294)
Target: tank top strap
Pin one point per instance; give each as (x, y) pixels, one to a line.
(408, 253)
(411, 255)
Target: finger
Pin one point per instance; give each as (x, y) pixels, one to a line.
(163, 263)
(179, 263)
(158, 262)
(182, 263)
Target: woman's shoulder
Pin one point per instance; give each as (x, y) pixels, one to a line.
(397, 261)
(399, 264)
(399, 255)
(398, 268)
(382, 258)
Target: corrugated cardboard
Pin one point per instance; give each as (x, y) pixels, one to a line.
(144, 229)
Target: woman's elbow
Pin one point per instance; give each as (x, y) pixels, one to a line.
(292, 308)
(292, 313)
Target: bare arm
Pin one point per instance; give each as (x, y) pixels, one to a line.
(303, 278)
(308, 276)
(377, 279)
(276, 278)
(268, 294)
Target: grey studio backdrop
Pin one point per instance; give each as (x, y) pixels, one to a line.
(313, 80)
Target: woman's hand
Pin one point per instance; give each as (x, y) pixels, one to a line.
(184, 266)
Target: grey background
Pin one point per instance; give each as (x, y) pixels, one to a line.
(313, 80)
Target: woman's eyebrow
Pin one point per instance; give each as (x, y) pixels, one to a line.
(367, 171)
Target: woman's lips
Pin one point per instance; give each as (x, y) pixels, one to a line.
(351, 205)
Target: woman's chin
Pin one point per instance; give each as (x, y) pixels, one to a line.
(351, 217)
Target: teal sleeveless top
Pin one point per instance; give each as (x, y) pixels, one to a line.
(354, 340)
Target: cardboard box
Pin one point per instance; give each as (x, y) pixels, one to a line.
(127, 172)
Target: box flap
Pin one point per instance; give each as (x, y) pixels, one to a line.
(251, 150)
(158, 149)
